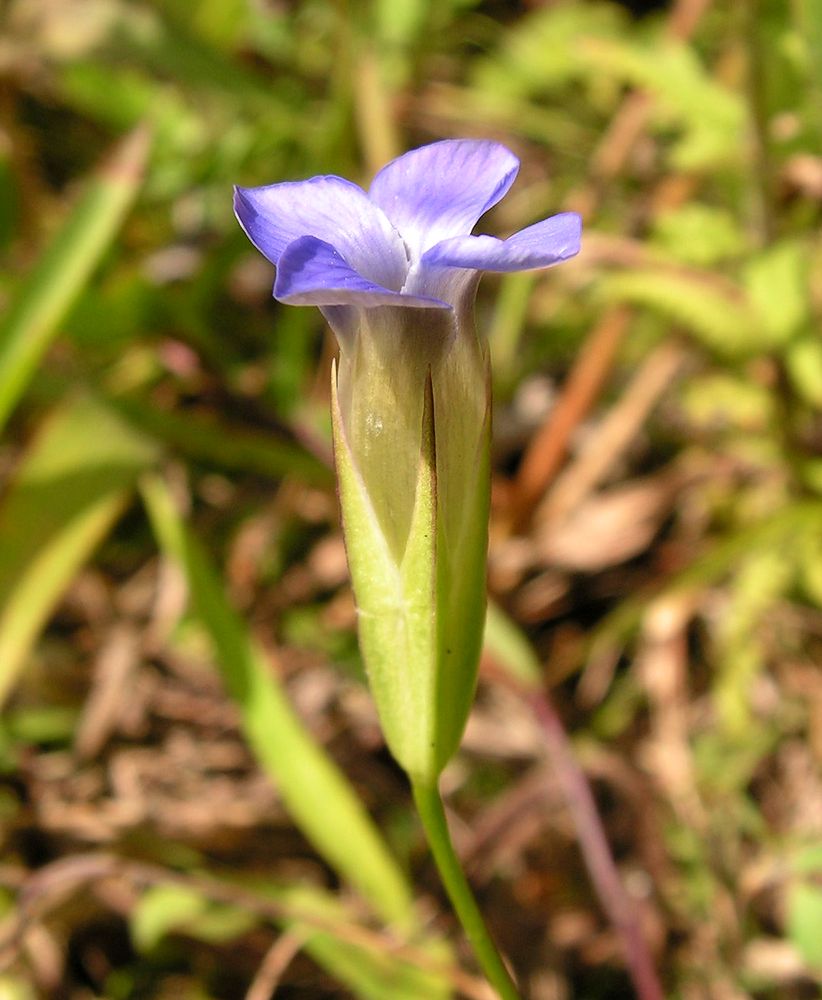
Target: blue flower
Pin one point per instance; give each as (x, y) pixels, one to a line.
(395, 271)
(407, 241)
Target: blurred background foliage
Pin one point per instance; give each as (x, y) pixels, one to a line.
(190, 765)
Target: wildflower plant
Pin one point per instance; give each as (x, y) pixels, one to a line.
(395, 273)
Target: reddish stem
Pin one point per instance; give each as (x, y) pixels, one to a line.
(615, 901)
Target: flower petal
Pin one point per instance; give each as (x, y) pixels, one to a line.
(311, 272)
(441, 190)
(331, 209)
(540, 245)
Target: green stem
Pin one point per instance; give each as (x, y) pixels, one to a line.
(432, 814)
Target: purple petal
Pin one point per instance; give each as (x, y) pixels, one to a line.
(313, 273)
(332, 210)
(441, 190)
(540, 245)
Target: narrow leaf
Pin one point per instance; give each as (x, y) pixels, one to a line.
(322, 924)
(506, 643)
(316, 794)
(67, 494)
(65, 268)
(227, 445)
(372, 974)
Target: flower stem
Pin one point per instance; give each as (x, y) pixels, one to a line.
(432, 814)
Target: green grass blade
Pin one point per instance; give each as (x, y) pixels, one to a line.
(67, 494)
(369, 973)
(227, 445)
(66, 266)
(315, 792)
(326, 928)
(510, 649)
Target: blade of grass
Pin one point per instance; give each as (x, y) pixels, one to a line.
(317, 795)
(320, 922)
(372, 974)
(68, 492)
(66, 266)
(371, 962)
(226, 445)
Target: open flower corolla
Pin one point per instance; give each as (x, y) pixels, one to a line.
(407, 242)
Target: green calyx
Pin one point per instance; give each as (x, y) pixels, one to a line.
(411, 424)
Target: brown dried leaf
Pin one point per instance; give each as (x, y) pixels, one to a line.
(610, 527)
